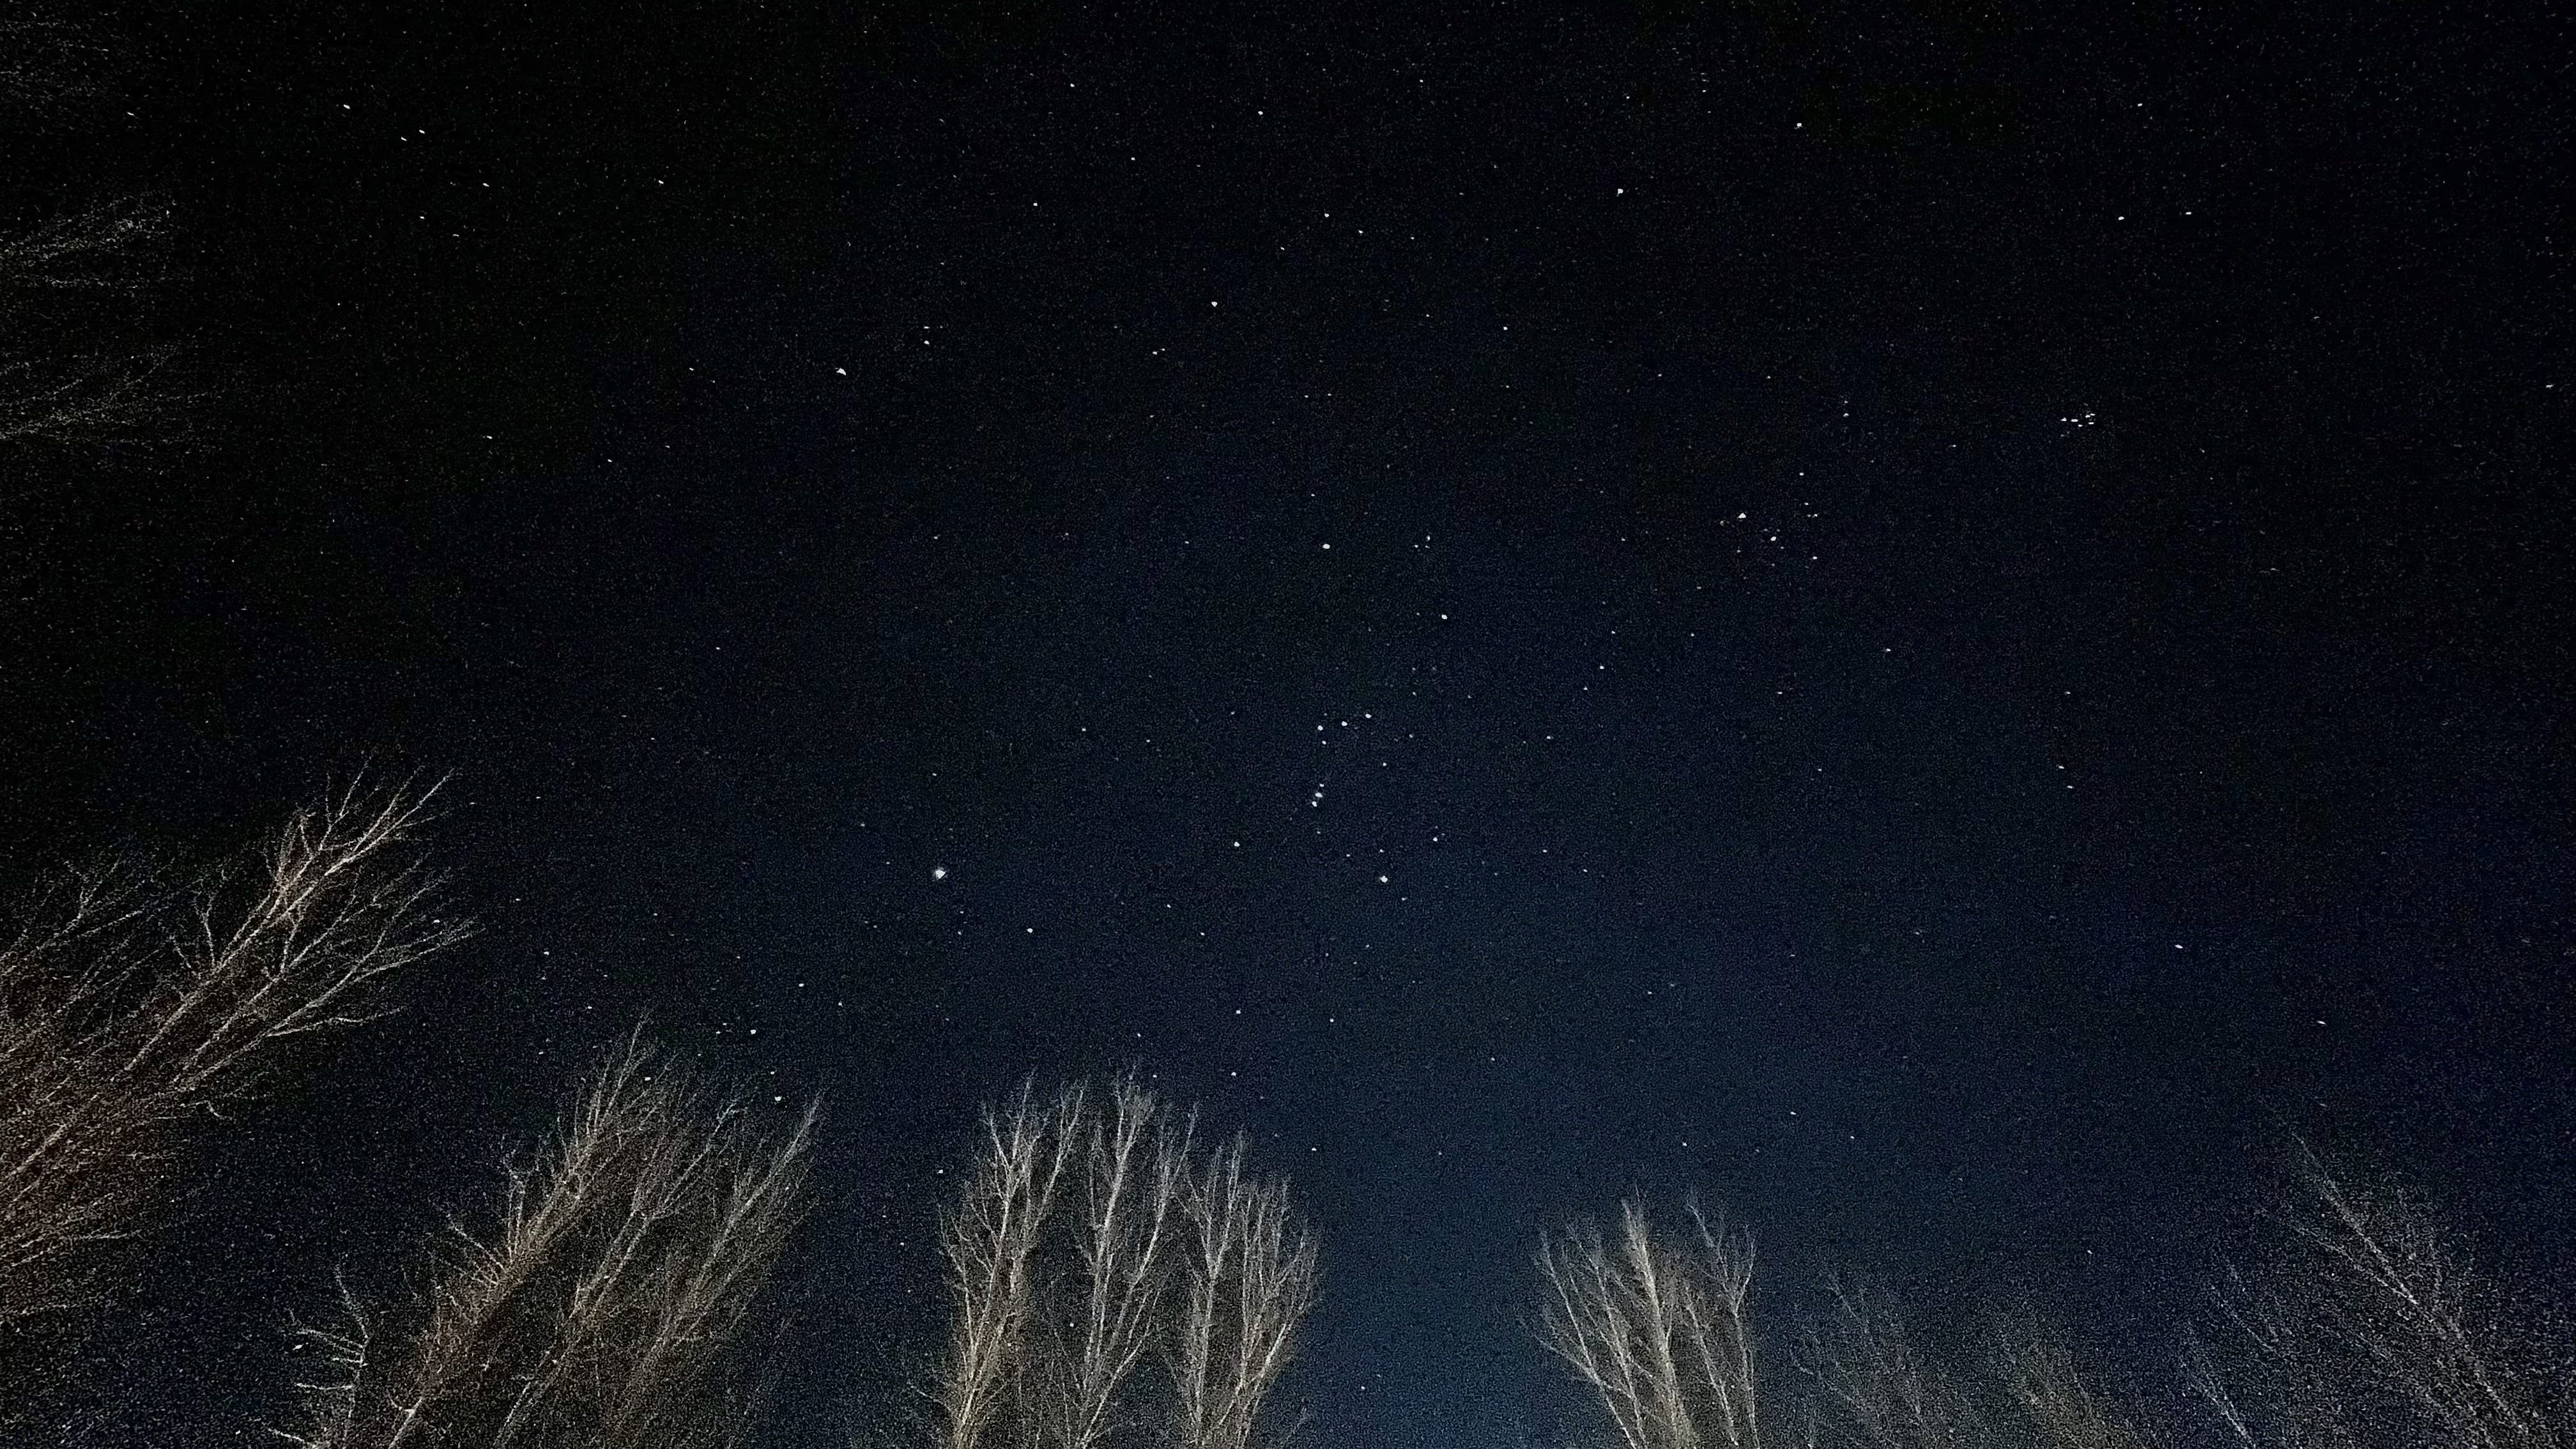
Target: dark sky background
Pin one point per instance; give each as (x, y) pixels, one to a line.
(1934, 620)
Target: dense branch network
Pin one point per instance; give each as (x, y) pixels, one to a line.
(1091, 1232)
(132, 1010)
(604, 1308)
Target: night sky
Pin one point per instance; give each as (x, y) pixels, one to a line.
(1940, 622)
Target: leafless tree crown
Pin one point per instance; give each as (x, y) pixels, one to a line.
(1871, 1385)
(1657, 1328)
(1248, 1282)
(2359, 1325)
(131, 1008)
(604, 1308)
(1091, 1233)
(2056, 1402)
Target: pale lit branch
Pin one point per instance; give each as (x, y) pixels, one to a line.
(604, 1304)
(1657, 1330)
(2059, 1407)
(2361, 1325)
(74, 370)
(130, 1009)
(1134, 1171)
(990, 1238)
(1874, 1388)
(1249, 1283)
(1090, 1233)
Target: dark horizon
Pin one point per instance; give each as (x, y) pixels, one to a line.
(1939, 628)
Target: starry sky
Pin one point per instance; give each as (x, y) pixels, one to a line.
(1935, 621)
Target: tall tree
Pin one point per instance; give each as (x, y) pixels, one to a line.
(1092, 1232)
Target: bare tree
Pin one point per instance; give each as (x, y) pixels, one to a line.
(990, 1238)
(1249, 1282)
(598, 1312)
(2058, 1407)
(1658, 1330)
(1135, 1167)
(1089, 1232)
(2363, 1326)
(131, 1009)
(1873, 1387)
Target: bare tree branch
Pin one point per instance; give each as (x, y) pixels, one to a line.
(1249, 1283)
(627, 1259)
(130, 1009)
(2056, 1403)
(990, 1238)
(1064, 1252)
(339, 1356)
(1134, 1172)
(1875, 1388)
(1658, 1330)
(2361, 1325)
(74, 368)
